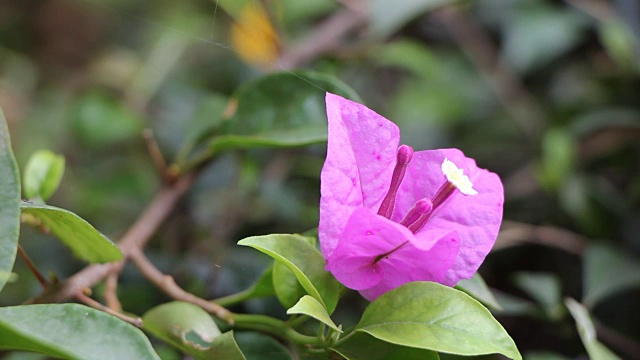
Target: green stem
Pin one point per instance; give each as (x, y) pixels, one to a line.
(274, 327)
(236, 298)
(295, 322)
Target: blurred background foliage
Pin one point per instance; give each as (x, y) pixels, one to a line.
(545, 93)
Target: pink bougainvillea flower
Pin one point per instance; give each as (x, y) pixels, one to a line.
(389, 216)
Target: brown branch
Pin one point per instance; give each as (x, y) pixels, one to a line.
(111, 288)
(515, 233)
(96, 305)
(134, 239)
(168, 285)
(479, 48)
(324, 37)
(34, 269)
(156, 155)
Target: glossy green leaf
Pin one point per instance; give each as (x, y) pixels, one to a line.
(286, 286)
(361, 346)
(279, 110)
(477, 288)
(183, 325)
(9, 203)
(310, 306)
(71, 331)
(587, 332)
(305, 261)
(43, 174)
(223, 347)
(257, 346)
(264, 286)
(84, 240)
(431, 316)
(387, 18)
(607, 271)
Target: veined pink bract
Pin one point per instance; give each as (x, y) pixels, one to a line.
(389, 216)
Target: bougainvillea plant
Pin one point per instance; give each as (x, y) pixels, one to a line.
(389, 216)
(401, 227)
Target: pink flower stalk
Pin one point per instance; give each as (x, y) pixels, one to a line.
(389, 216)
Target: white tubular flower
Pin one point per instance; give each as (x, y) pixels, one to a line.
(457, 177)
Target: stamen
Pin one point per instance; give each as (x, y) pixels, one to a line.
(405, 153)
(421, 208)
(443, 193)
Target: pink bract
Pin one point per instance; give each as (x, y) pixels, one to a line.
(361, 157)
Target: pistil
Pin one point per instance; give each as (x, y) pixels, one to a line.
(405, 153)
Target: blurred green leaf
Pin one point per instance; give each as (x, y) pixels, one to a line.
(587, 332)
(619, 42)
(607, 271)
(477, 288)
(305, 261)
(83, 239)
(295, 11)
(9, 202)
(281, 109)
(8, 276)
(71, 331)
(512, 305)
(537, 33)
(386, 17)
(431, 316)
(310, 306)
(43, 174)
(100, 120)
(544, 289)
(256, 346)
(361, 346)
(186, 326)
(558, 158)
(208, 118)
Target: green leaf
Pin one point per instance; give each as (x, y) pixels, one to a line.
(84, 240)
(223, 347)
(587, 332)
(207, 119)
(617, 38)
(100, 120)
(9, 203)
(361, 346)
(387, 18)
(42, 174)
(477, 288)
(286, 286)
(280, 110)
(71, 331)
(558, 158)
(544, 289)
(431, 316)
(183, 325)
(304, 260)
(310, 306)
(607, 271)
